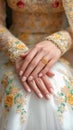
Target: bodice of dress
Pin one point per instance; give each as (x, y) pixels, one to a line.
(33, 20)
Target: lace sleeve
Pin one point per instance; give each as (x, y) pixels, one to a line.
(12, 46)
(64, 38)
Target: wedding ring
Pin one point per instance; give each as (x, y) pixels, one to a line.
(44, 61)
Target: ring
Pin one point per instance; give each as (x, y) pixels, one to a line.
(44, 61)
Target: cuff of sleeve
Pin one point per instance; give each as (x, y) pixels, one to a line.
(16, 48)
(11, 45)
(62, 40)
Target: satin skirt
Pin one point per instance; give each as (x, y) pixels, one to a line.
(22, 111)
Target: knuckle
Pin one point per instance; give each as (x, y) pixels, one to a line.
(34, 63)
(37, 46)
(43, 49)
(28, 58)
(45, 91)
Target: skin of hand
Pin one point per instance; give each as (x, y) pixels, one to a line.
(33, 64)
(40, 85)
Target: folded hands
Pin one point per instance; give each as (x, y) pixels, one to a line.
(34, 68)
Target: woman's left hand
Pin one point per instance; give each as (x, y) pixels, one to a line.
(39, 60)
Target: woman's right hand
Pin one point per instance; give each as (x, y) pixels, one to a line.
(41, 86)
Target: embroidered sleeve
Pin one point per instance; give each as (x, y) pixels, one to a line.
(63, 39)
(12, 46)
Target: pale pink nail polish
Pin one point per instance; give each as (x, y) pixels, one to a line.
(40, 95)
(30, 78)
(24, 78)
(40, 75)
(47, 96)
(28, 90)
(21, 72)
(51, 90)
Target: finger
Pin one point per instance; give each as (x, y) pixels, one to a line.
(18, 65)
(35, 88)
(50, 73)
(40, 66)
(42, 88)
(48, 84)
(27, 60)
(33, 63)
(48, 66)
(25, 85)
(25, 53)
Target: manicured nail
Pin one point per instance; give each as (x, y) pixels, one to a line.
(47, 96)
(51, 90)
(28, 90)
(30, 78)
(40, 75)
(24, 78)
(21, 72)
(40, 95)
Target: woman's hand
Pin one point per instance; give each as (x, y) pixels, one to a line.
(39, 60)
(41, 86)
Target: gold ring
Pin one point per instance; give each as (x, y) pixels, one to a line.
(44, 61)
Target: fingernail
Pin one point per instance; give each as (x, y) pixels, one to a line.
(40, 75)
(24, 78)
(21, 72)
(28, 90)
(30, 78)
(47, 96)
(51, 90)
(40, 95)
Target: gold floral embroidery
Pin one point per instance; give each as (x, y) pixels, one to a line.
(14, 95)
(20, 46)
(70, 99)
(9, 100)
(2, 30)
(62, 40)
(14, 91)
(64, 98)
(5, 83)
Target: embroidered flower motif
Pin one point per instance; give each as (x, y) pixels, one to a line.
(20, 4)
(20, 46)
(72, 82)
(57, 36)
(14, 91)
(20, 100)
(70, 99)
(4, 83)
(23, 36)
(2, 30)
(9, 101)
(14, 96)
